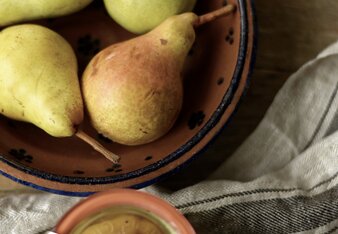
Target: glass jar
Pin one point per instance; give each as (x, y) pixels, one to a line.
(124, 211)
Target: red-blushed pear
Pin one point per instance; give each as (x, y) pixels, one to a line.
(133, 90)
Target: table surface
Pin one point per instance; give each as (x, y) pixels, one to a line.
(289, 34)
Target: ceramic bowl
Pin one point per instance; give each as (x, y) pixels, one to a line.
(215, 77)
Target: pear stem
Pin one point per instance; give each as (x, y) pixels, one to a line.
(211, 16)
(97, 146)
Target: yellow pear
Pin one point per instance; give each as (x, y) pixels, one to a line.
(14, 11)
(38, 80)
(142, 16)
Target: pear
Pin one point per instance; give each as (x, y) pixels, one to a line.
(39, 82)
(142, 16)
(133, 90)
(14, 11)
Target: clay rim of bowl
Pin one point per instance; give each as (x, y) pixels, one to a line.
(211, 123)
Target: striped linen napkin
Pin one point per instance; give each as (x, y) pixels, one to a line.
(282, 179)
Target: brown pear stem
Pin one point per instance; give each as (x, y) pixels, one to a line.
(97, 146)
(211, 16)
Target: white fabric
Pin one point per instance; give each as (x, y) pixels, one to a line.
(282, 179)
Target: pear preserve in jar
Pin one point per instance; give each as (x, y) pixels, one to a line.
(123, 211)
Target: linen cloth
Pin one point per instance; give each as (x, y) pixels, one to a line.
(282, 179)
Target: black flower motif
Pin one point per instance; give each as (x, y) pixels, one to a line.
(78, 172)
(88, 46)
(21, 155)
(114, 168)
(149, 157)
(196, 119)
(230, 37)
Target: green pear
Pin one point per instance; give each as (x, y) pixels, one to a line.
(14, 11)
(38, 80)
(142, 16)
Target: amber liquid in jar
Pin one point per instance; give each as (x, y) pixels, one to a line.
(123, 220)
